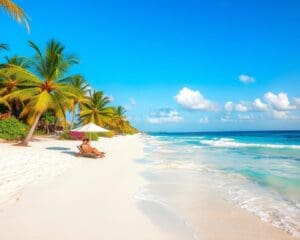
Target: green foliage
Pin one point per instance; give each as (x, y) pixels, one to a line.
(49, 117)
(39, 132)
(92, 136)
(96, 110)
(40, 88)
(107, 134)
(128, 129)
(64, 135)
(12, 129)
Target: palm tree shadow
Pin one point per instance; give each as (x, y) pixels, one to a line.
(58, 148)
(72, 153)
(63, 150)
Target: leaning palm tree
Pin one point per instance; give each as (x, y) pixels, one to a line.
(15, 11)
(78, 82)
(43, 87)
(96, 110)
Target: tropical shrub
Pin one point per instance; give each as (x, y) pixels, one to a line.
(64, 135)
(92, 136)
(107, 134)
(12, 129)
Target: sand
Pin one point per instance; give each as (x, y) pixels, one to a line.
(47, 193)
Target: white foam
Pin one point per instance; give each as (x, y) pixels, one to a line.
(269, 208)
(231, 143)
(268, 205)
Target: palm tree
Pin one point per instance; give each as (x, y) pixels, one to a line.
(10, 83)
(43, 87)
(96, 110)
(18, 61)
(15, 11)
(119, 115)
(118, 119)
(120, 112)
(78, 82)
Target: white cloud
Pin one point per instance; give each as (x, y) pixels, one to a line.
(226, 118)
(194, 100)
(282, 115)
(246, 78)
(297, 102)
(259, 105)
(164, 115)
(228, 106)
(203, 120)
(246, 117)
(278, 106)
(132, 101)
(279, 102)
(241, 107)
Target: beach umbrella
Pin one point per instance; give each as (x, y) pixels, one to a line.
(90, 128)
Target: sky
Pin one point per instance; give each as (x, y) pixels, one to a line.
(189, 65)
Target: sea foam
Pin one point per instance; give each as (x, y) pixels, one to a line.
(231, 143)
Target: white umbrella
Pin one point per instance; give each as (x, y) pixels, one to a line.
(90, 128)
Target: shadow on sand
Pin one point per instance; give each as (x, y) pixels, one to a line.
(58, 148)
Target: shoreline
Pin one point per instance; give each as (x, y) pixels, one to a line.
(92, 198)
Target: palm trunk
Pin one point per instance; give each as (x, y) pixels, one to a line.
(72, 120)
(31, 131)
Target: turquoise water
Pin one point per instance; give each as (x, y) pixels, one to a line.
(258, 171)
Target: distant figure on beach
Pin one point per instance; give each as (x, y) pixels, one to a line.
(87, 148)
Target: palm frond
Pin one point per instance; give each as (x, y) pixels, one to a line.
(19, 72)
(3, 46)
(18, 61)
(15, 11)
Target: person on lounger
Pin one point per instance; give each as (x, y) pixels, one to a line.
(87, 148)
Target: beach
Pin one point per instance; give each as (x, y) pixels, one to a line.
(48, 193)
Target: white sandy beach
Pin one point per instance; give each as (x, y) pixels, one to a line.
(47, 193)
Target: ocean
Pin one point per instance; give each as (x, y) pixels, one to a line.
(258, 170)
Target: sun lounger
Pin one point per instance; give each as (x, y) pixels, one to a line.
(84, 154)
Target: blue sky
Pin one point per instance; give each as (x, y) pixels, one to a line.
(180, 65)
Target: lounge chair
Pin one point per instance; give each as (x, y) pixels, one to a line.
(84, 154)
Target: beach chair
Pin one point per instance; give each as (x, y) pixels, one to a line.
(84, 154)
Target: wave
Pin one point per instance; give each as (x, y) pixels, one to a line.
(231, 143)
(276, 211)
